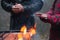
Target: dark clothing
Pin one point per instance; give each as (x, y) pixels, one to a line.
(54, 19)
(22, 18)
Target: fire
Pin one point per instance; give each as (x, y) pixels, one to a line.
(24, 35)
(20, 36)
(23, 29)
(32, 31)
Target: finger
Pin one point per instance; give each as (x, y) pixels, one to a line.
(15, 8)
(38, 14)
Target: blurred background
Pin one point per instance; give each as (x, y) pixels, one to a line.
(42, 28)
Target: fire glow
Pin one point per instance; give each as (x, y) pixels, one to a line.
(24, 35)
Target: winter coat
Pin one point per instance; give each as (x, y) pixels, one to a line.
(22, 18)
(54, 19)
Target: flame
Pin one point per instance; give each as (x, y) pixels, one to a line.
(32, 31)
(20, 36)
(23, 29)
(24, 35)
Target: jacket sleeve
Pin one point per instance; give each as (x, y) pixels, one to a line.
(35, 5)
(6, 5)
(47, 19)
(51, 18)
(54, 18)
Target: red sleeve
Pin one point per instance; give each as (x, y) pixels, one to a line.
(49, 17)
(52, 18)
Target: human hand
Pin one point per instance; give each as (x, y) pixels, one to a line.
(44, 15)
(38, 14)
(17, 8)
(21, 8)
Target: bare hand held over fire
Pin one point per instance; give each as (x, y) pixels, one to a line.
(43, 15)
(17, 8)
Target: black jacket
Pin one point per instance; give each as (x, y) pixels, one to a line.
(22, 18)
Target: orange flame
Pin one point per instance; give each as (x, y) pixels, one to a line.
(26, 35)
(23, 29)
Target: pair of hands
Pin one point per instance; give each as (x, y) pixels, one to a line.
(17, 8)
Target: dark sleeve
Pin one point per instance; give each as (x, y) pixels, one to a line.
(6, 5)
(35, 5)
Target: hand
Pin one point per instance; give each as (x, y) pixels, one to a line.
(44, 15)
(15, 9)
(21, 8)
(38, 14)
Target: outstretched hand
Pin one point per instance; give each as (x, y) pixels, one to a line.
(43, 15)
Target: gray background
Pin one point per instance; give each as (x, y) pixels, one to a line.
(42, 28)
